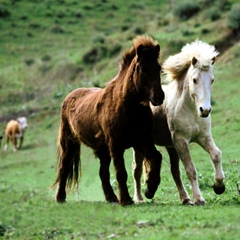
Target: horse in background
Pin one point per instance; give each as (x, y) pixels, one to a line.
(111, 120)
(15, 129)
(184, 117)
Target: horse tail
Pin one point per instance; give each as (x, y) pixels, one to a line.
(69, 164)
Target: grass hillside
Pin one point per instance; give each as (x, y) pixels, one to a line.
(50, 47)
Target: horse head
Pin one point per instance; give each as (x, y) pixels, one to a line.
(148, 74)
(22, 123)
(200, 81)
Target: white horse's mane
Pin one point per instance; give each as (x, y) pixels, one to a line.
(176, 66)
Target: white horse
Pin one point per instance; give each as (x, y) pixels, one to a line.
(184, 117)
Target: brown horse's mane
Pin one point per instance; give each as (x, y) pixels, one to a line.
(147, 42)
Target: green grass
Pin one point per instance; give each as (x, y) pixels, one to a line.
(41, 59)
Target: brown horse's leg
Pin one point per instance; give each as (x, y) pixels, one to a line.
(68, 161)
(14, 142)
(104, 174)
(152, 163)
(137, 167)
(121, 175)
(6, 144)
(69, 158)
(21, 141)
(175, 170)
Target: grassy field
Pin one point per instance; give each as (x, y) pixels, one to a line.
(45, 48)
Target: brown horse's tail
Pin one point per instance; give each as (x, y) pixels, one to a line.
(69, 164)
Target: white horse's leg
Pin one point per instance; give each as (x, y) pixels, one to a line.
(216, 155)
(181, 146)
(137, 167)
(175, 170)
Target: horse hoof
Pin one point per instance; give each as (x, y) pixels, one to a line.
(187, 202)
(126, 202)
(219, 189)
(199, 203)
(149, 194)
(60, 200)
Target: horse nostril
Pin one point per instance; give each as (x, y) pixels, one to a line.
(201, 109)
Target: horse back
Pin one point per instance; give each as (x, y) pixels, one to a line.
(80, 112)
(12, 128)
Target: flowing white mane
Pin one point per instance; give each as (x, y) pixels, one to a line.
(175, 66)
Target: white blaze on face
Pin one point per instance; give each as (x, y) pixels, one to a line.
(200, 89)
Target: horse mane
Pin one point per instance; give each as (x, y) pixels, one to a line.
(146, 41)
(176, 66)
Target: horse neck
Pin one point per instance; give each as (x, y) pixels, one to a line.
(125, 89)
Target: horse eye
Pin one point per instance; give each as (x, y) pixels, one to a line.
(195, 80)
(212, 81)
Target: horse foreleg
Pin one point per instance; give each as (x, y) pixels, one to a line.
(104, 174)
(14, 142)
(137, 167)
(182, 148)
(20, 143)
(121, 175)
(175, 170)
(216, 155)
(152, 162)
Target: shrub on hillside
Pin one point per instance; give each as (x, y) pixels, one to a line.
(234, 19)
(213, 13)
(4, 11)
(186, 10)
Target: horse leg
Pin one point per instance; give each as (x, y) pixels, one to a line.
(6, 144)
(69, 155)
(137, 166)
(20, 143)
(121, 175)
(104, 174)
(181, 146)
(209, 146)
(152, 162)
(175, 170)
(14, 142)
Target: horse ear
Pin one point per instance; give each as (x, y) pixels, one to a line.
(213, 60)
(194, 61)
(157, 49)
(140, 50)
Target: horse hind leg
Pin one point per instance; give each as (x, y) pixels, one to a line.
(137, 168)
(175, 170)
(104, 174)
(69, 157)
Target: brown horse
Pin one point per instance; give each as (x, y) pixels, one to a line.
(111, 120)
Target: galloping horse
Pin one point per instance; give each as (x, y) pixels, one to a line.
(111, 120)
(184, 117)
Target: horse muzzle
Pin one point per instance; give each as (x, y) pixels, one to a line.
(204, 113)
(157, 99)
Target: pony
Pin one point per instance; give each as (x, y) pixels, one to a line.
(184, 117)
(15, 129)
(113, 119)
